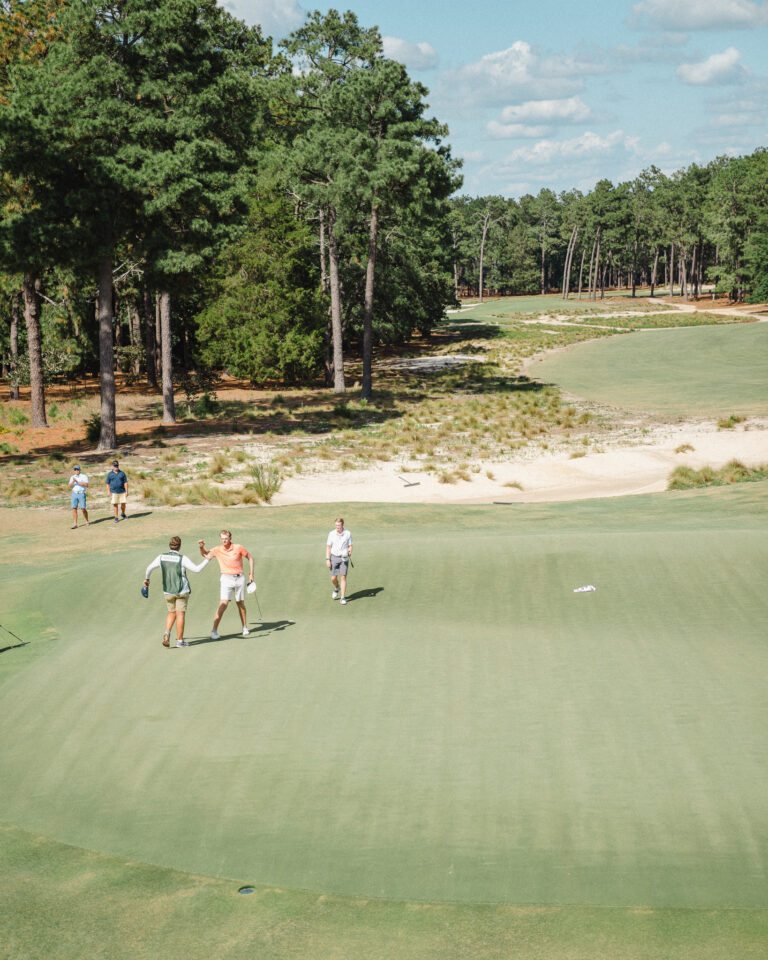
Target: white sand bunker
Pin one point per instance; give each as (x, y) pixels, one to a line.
(430, 364)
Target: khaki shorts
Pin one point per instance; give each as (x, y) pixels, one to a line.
(119, 498)
(176, 603)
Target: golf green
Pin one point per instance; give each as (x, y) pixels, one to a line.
(467, 728)
(706, 371)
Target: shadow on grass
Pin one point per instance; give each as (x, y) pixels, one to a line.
(257, 631)
(472, 330)
(368, 594)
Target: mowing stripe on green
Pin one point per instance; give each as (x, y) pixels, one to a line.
(466, 729)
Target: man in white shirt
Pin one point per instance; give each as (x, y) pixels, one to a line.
(338, 551)
(78, 484)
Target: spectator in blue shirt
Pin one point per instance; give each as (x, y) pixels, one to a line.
(118, 487)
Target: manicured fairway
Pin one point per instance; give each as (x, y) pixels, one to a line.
(707, 371)
(467, 729)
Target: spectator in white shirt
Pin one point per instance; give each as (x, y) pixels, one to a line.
(338, 551)
(78, 484)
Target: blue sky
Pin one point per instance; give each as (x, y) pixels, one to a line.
(559, 95)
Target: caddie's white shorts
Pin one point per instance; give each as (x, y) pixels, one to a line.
(233, 586)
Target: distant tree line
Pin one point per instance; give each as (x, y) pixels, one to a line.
(703, 224)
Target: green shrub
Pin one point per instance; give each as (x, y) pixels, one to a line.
(206, 406)
(267, 480)
(93, 428)
(17, 417)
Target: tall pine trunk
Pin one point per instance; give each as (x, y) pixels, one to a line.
(694, 273)
(482, 256)
(593, 276)
(634, 268)
(158, 338)
(15, 347)
(333, 269)
(591, 268)
(568, 259)
(32, 286)
(655, 268)
(108, 436)
(370, 271)
(671, 269)
(581, 268)
(324, 287)
(169, 408)
(135, 332)
(149, 339)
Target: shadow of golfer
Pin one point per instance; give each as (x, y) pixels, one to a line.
(365, 594)
(257, 630)
(263, 629)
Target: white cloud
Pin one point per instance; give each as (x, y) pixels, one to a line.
(585, 146)
(416, 56)
(517, 73)
(699, 14)
(725, 67)
(277, 18)
(731, 120)
(570, 110)
(508, 131)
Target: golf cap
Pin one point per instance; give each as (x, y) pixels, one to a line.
(76, 467)
(115, 463)
(145, 591)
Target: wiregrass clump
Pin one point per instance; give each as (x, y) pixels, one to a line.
(266, 481)
(728, 423)
(686, 478)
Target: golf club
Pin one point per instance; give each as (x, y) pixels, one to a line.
(261, 619)
(11, 633)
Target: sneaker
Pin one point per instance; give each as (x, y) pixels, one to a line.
(182, 643)
(246, 632)
(166, 639)
(335, 595)
(343, 600)
(116, 520)
(214, 635)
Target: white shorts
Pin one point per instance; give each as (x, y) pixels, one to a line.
(233, 583)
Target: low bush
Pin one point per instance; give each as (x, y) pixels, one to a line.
(266, 481)
(93, 428)
(686, 478)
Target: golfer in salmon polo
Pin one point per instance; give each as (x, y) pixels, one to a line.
(230, 556)
(338, 551)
